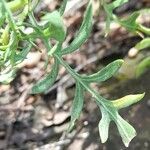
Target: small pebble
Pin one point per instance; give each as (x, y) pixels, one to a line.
(132, 52)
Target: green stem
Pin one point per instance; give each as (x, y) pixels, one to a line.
(77, 77)
(10, 17)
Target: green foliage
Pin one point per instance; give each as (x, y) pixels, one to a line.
(109, 11)
(82, 34)
(48, 81)
(145, 43)
(130, 23)
(143, 66)
(105, 73)
(76, 105)
(52, 26)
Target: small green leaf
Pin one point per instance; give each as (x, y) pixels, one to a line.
(130, 22)
(54, 26)
(104, 73)
(111, 6)
(48, 81)
(22, 55)
(143, 66)
(109, 11)
(126, 131)
(77, 105)
(83, 32)
(104, 125)
(145, 43)
(127, 100)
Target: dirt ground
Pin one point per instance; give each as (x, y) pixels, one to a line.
(39, 122)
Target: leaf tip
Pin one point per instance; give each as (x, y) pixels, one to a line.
(141, 95)
(71, 126)
(120, 61)
(126, 143)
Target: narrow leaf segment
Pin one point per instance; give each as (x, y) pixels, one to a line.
(48, 81)
(76, 105)
(83, 32)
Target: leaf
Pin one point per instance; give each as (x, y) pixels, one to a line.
(83, 32)
(109, 112)
(11, 47)
(130, 22)
(109, 11)
(48, 81)
(104, 125)
(22, 55)
(55, 26)
(111, 6)
(5, 36)
(104, 73)
(126, 131)
(2, 14)
(63, 6)
(127, 100)
(145, 43)
(77, 105)
(7, 77)
(143, 66)
(15, 5)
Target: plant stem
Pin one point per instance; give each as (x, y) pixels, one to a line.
(77, 77)
(10, 17)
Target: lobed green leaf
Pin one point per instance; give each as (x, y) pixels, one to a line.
(126, 131)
